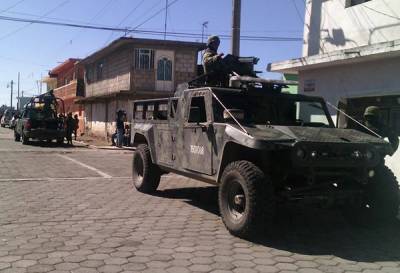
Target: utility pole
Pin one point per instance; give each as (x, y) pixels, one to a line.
(11, 98)
(204, 26)
(41, 83)
(18, 100)
(166, 17)
(235, 47)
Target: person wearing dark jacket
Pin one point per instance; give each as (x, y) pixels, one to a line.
(120, 128)
(70, 125)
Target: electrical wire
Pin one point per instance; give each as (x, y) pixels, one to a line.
(12, 6)
(155, 14)
(124, 19)
(148, 32)
(27, 25)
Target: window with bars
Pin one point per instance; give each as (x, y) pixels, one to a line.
(144, 59)
(350, 3)
(164, 70)
(99, 70)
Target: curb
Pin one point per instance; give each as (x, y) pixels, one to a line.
(90, 146)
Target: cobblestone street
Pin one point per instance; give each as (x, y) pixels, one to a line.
(74, 210)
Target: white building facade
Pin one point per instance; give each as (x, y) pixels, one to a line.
(351, 57)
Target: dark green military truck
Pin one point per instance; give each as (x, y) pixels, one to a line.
(40, 120)
(262, 148)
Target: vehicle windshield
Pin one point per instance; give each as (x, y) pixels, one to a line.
(283, 110)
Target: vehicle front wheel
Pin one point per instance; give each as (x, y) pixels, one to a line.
(380, 202)
(17, 137)
(25, 140)
(145, 175)
(246, 199)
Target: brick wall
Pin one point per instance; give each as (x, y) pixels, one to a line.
(185, 65)
(143, 80)
(116, 74)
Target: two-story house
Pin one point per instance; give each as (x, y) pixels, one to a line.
(129, 69)
(351, 57)
(66, 81)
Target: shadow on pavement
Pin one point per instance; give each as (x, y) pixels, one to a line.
(45, 144)
(309, 231)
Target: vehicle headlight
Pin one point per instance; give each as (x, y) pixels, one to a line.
(300, 153)
(356, 154)
(369, 155)
(314, 154)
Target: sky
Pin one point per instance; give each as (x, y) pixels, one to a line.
(34, 49)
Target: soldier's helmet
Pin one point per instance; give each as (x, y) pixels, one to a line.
(371, 111)
(213, 40)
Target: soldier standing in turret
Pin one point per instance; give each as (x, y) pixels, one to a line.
(211, 59)
(372, 120)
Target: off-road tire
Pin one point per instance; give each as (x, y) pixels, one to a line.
(383, 197)
(25, 140)
(17, 137)
(145, 175)
(259, 207)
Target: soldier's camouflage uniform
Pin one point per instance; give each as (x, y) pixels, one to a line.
(374, 123)
(211, 61)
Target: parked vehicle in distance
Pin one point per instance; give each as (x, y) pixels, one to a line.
(40, 120)
(262, 148)
(7, 117)
(13, 121)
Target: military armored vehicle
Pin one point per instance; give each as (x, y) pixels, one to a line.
(40, 120)
(262, 147)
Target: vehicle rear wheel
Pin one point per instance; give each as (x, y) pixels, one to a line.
(25, 140)
(380, 203)
(145, 175)
(17, 137)
(246, 199)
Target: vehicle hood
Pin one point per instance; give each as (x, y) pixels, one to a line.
(311, 134)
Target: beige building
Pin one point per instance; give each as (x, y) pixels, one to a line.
(351, 57)
(129, 69)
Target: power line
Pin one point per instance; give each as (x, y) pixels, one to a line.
(12, 6)
(149, 32)
(155, 14)
(124, 19)
(27, 25)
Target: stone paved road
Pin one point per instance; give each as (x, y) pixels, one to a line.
(80, 214)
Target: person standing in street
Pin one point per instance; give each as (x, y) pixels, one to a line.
(70, 124)
(120, 128)
(373, 121)
(76, 127)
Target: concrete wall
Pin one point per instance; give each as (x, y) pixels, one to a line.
(97, 119)
(353, 80)
(356, 80)
(330, 25)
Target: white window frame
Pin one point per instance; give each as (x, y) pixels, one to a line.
(139, 62)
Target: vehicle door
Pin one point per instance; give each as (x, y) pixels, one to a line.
(162, 133)
(197, 133)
